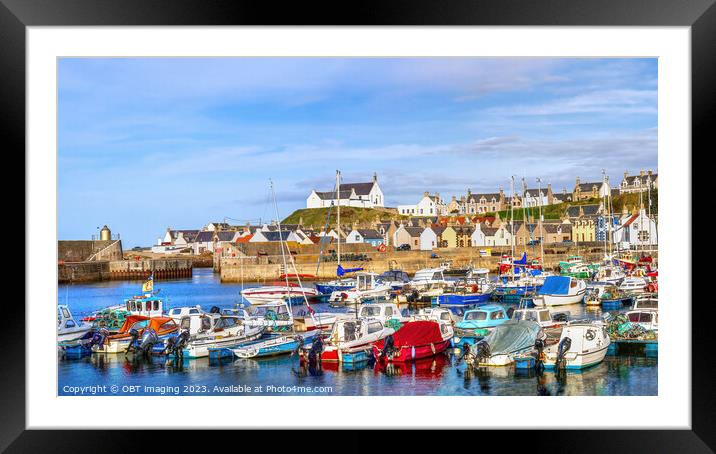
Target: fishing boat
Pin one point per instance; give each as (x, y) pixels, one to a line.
(385, 312)
(543, 316)
(560, 290)
(210, 324)
(271, 344)
(505, 342)
(477, 323)
(415, 340)
(337, 285)
(646, 301)
(646, 318)
(634, 285)
(367, 286)
(133, 327)
(434, 313)
(610, 297)
(396, 279)
(350, 340)
(581, 345)
(610, 274)
(67, 328)
(177, 313)
(270, 293)
(199, 346)
(429, 278)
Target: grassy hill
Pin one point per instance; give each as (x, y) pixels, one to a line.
(316, 217)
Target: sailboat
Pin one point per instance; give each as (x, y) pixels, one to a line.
(279, 342)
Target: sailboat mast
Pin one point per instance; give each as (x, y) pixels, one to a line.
(285, 266)
(338, 216)
(512, 224)
(541, 221)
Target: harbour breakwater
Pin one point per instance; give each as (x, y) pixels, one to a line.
(269, 268)
(124, 270)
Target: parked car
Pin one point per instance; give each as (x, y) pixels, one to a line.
(403, 247)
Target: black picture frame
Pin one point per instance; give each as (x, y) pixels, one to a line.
(700, 15)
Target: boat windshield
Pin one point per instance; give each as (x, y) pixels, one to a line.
(370, 311)
(525, 315)
(476, 315)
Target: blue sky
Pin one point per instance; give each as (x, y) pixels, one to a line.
(145, 144)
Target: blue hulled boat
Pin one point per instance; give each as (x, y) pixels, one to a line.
(461, 299)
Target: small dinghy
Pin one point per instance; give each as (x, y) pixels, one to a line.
(415, 340)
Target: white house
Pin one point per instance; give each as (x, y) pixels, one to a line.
(428, 240)
(429, 205)
(490, 236)
(637, 230)
(370, 236)
(361, 195)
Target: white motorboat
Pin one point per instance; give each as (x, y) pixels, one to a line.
(506, 341)
(381, 311)
(633, 285)
(200, 345)
(646, 318)
(210, 324)
(67, 328)
(560, 290)
(436, 314)
(177, 313)
(581, 344)
(367, 286)
(429, 278)
(611, 274)
(271, 293)
(353, 336)
(542, 316)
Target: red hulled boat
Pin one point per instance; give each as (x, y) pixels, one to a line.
(415, 340)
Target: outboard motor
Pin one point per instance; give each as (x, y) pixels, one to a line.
(176, 344)
(99, 337)
(482, 351)
(149, 339)
(316, 350)
(134, 334)
(388, 346)
(562, 350)
(467, 355)
(539, 346)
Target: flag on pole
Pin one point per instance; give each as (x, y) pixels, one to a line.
(148, 285)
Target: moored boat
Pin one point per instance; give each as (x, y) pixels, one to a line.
(351, 340)
(134, 327)
(560, 290)
(67, 328)
(415, 340)
(270, 293)
(581, 345)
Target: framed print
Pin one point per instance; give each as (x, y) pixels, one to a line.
(427, 221)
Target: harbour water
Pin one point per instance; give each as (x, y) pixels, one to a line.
(115, 374)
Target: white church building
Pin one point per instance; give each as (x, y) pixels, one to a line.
(362, 195)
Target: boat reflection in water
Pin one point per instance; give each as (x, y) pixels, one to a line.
(433, 367)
